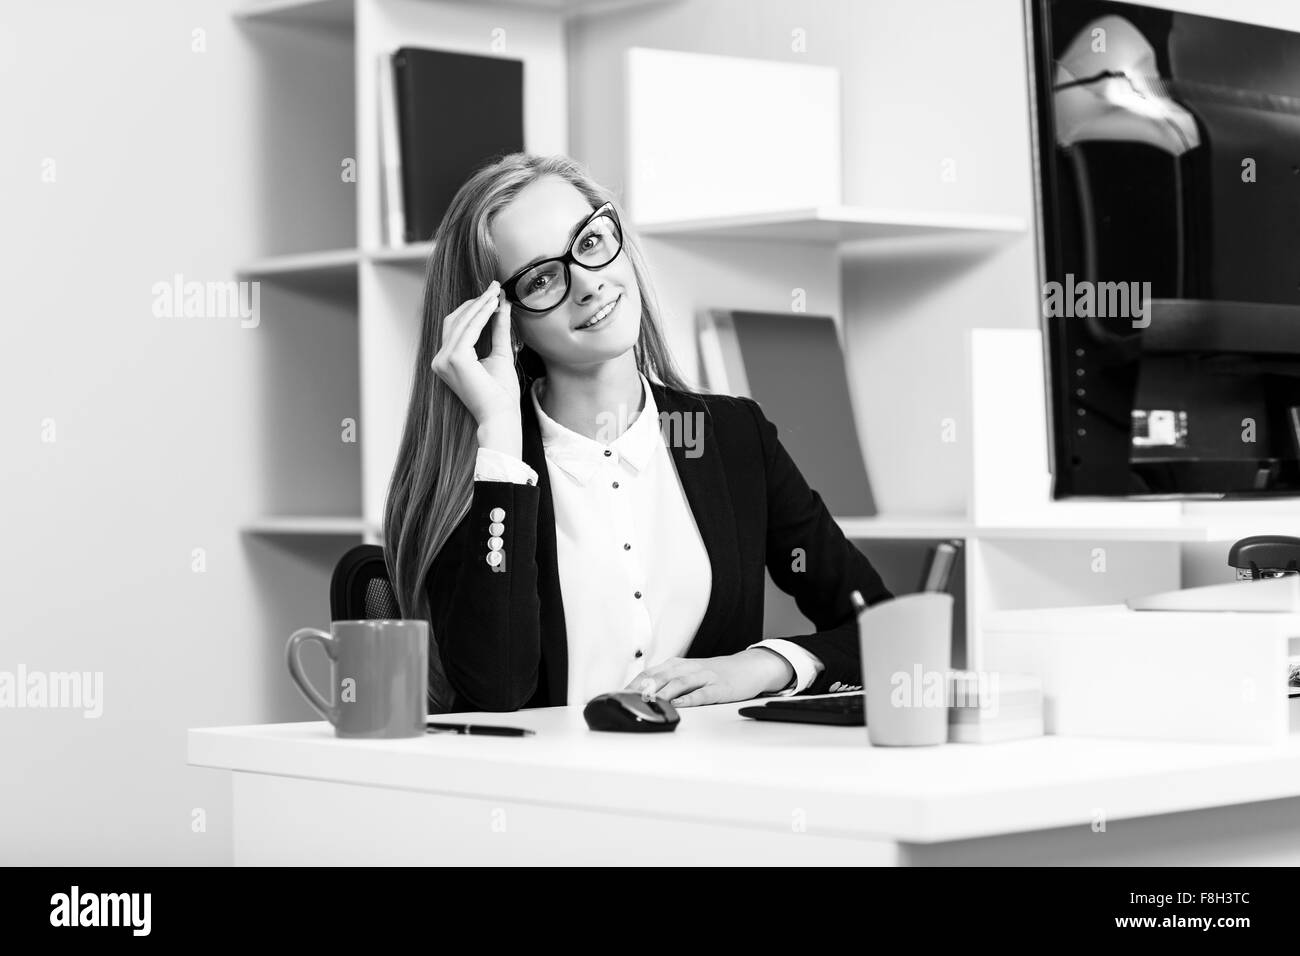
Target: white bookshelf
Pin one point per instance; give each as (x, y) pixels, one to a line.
(342, 310)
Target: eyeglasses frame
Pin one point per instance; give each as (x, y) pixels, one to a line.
(508, 287)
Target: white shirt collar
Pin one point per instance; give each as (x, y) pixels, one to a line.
(580, 456)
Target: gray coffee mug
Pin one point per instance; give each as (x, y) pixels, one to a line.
(380, 673)
(906, 654)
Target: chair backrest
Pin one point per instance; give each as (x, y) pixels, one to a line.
(360, 589)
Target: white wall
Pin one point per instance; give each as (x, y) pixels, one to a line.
(156, 449)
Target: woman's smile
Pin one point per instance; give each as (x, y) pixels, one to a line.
(603, 318)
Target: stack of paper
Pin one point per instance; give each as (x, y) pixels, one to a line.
(989, 706)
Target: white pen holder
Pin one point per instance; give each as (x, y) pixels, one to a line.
(906, 655)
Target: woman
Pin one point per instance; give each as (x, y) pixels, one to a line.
(566, 512)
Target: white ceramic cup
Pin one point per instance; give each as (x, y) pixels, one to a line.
(906, 655)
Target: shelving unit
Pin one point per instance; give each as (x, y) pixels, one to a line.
(320, 60)
(341, 310)
(1022, 551)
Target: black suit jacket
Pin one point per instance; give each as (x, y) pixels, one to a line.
(502, 636)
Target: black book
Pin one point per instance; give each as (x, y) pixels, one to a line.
(456, 111)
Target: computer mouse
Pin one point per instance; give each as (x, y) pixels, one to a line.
(629, 712)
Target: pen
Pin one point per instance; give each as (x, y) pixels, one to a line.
(939, 566)
(485, 729)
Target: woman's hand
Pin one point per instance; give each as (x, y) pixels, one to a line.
(488, 387)
(715, 680)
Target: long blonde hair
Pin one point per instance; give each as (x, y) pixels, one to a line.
(432, 482)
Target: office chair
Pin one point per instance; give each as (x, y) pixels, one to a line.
(360, 589)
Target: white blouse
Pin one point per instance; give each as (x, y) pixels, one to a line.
(634, 573)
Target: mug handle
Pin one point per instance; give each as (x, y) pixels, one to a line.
(323, 707)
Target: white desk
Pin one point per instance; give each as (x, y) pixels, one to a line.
(725, 789)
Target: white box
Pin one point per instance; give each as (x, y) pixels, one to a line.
(711, 135)
(1108, 671)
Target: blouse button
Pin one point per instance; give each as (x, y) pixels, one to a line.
(494, 558)
(638, 594)
(497, 514)
(495, 543)
(616, 484)
(608, 453)
(639, 653)
(496, 528)
(627, 547)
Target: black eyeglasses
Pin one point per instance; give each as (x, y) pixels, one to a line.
(544, 285)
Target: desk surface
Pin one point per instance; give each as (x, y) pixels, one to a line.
(720, 766)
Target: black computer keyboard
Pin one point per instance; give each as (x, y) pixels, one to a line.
(845, 710)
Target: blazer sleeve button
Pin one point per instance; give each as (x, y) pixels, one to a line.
(497, 514)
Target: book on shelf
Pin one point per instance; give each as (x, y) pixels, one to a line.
(793, 366)
(390, 157)
(442, 115)
(990, 707)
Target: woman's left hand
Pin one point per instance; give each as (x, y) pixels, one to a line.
(715, 680)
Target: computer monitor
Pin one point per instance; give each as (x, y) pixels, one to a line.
(1167, 168)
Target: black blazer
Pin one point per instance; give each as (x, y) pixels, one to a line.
(502, 636)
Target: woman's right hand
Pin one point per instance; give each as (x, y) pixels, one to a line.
(489, 387)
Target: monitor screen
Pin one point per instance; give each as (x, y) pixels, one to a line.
(1167, 162)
